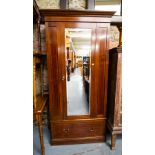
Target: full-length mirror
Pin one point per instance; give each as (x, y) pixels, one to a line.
(78, 53)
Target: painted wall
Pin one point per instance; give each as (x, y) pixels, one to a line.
(77, 4)
(42, 37)
(35, 38)
(55, 4)
(114, 37)
(48, 4)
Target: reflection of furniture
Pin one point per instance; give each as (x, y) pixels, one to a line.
(114, 94)
(86, 75)
(68, 69)
(73, 61)
(86, 85)
(80, 62)
(80, 128)
(86, 67)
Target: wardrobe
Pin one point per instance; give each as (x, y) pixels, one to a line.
(88, 127)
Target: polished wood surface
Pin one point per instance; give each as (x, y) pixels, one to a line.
(41, 102)
(68, 129)
(83, 128)
(114, 123)
(76, 13)
(78, 131)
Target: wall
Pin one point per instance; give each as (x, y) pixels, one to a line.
(42, 37)
(35, 38)
(77, 4)
(48, 4)
(114, 37)
(55, 4)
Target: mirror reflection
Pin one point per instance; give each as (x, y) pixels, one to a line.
(78, 49)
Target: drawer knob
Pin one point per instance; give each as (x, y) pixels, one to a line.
(91, 130)
(63, 78)
(66, 130)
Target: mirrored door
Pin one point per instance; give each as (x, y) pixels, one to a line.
(77, 61)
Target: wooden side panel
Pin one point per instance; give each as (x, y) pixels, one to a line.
(101, 63)
(118, 102)
(114, 93)
(52, 43)
(114, 87)
(92, 74)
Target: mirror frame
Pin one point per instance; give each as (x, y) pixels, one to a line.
(91, 26)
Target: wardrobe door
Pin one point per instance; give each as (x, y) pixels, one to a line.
(77, 28)
(101, 69)
(54, 69)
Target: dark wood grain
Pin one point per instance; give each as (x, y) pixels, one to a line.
(76, 13)
(78, 131)
(53, 72)
(83, 140)
(114, 123)
(102, 72)
(83, 128)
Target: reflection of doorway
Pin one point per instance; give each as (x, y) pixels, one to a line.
(77, 100)
(78, 48)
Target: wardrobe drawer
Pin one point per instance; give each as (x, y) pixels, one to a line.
(78, 129)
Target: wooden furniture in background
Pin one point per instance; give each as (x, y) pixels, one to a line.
(114, 122)
(82, 128)
(41, 103)
(39, 100)
(36, 29)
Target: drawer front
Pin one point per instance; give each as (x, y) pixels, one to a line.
(78, 129)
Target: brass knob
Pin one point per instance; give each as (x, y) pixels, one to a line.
(66, 130)
(63, 78)
(92, 64)
(91, 130)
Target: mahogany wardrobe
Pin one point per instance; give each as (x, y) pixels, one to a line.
(65, 127)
